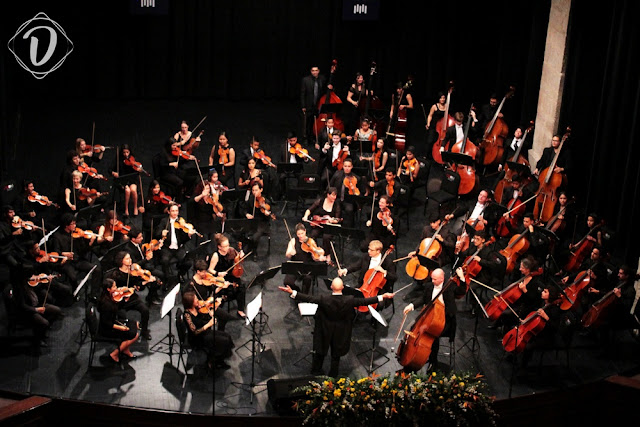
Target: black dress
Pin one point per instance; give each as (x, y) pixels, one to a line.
(109, 316)
(217, 344)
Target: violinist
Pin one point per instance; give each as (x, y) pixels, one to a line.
(224, 158)
(38, 261)
(366, 134)
(293, 151)
(89, 154)
(157, 204)
(73, 195)
(563, 165)
(382, 226)
(10, 248)
(173, 250)
(200, 328)
(312, 88)
(205, 289)
(71, 164)
(333, 323)
(112, 325)
(295, 252)
(127, 177)
(378, 159)
(347, 183)
(108, 237)
(208, 212)
(433, 288)
(257, 209)
(33, 210)
(169, 166)
(183, 136)
(436, 113)
(409, 168)
(324, 207)
(249, 153)
(125, 278)
(75, 250)
(335, 154)
(146, 260)
(249, 176)
(325, 135)
(220, 265)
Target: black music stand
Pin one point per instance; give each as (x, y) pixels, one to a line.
(458, 158)
(347, 290)
(299, 195)
(84, 328)
(350, 233)
(475, 344)
(232, 196)
(239, 226)
(260, 279)
(520, 169)
(299, 268)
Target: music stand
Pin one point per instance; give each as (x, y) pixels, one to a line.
(355, 233)
(168, 303)
(84, 328)
(474, 339)
(518, 168)
(299, 195)
(373, 349)
(457, 158)
(261, 278)
(239, 226)
(299, 268)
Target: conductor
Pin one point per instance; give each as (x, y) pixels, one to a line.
(333, 323)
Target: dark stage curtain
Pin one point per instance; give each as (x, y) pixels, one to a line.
(602, 104)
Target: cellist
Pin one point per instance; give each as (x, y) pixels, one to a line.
(493, 264)
(433, 289)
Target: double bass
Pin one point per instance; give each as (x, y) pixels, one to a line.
(549, 181)
(492, 144)
(329, 98)
(399, 120)
(467, 172)
(441, 127)
(369, 101)
(509, 172)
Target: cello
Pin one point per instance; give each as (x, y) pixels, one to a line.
(373, 282)
(581, 250)
(509, 295)
(329, 98)
(492, 144)
(399, 120)
(549, 183)
(467, 172)
(431, 250)
(516, 247)
(517, 338)
(571, 293)
(509, 173)
(441, 127)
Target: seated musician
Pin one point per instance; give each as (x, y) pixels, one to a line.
(59, 292)
(171, 170)
(249, 153)
(366, 135)
(433, 288)
(591, 236)
(475, 209)
(493, 264)
(382, 226)
(108, 237)
(208, 210)
(324, 207)
(295, 252)
(129, 178)
(626, 310)
(88, 153)
(249, 176)
(75, 250)
(255, 209)
(10, 248)
(339, 181)
(372, 260)
(223, 157)
(446, 239)
(204, 289)
(220, 265)
(539, 244)
(200, 326)
(146, 260)
(389, 186)
(599, 283)
(71, 164)
(74, 200)
(32, 210)
(409, 168)
(112, 325)
(173, 250)
(291, 154)
(378, 158)
(125, 278)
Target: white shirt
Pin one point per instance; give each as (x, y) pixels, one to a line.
(375, 261)
(174, 238)
(477, 211)
(459, 132)
(515, 144)
(437, 290)
(336, 151)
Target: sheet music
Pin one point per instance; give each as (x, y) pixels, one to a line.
(169, 301)
(307, 308)
(377, 316)
(253, 308)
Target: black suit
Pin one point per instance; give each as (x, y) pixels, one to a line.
(309, 97)
(332, 326)
(167, 255)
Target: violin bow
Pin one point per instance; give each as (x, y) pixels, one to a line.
(372, 206)
(285, 223)
(141, 192)
(93, 132)
(239, 261)
(335, 255)
(198, 125)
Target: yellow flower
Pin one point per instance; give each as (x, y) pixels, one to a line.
(434, 374)
(461, 384)
(337, 392)
(418, 381)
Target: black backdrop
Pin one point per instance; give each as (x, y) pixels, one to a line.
(246, 51)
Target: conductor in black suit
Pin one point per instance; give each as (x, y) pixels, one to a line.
(333, 323)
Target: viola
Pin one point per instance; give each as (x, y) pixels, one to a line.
(92, 172)
(89, 193)
(431, 250)
(211, 280)
(43, 200)
(137, 166)
(318, 221)
(143, 274)
(122, 294)
(508, 296)
(16, 222)
(36, 279)
(517, 338)
(181, 224)
(152, 246)
(492, 144)
(467, 173)
(441, 127)
(329, 98)
(303, 153)
(509, 172)
(581, 250)
(261, 155)
(310, 246)
(78, 233)
(549, 181)
(264, 207)
(351, 183)
(572, 292)
(209, 304)
(385, 218)
(518, 245)
(162, 198)
(193, 143)
(121, 227)
(223, 157)
(373, 282)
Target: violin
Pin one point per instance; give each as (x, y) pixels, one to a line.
(410, 167)
(431, 250)
(207, 305)
(137, 166)
(311, 247)
(338, 163)
(441, 127)
(373, 281)
(318, 221)
(181, 153)
(43, 256)
(181, 224)
(492, 144)
(385, 218)
(97, 148)
(89, 193)
(152, 246)
(303, 153)
(43, 200)
(143, 274)
(508, 296)
(261, 155)
(92, 172)
(122, 293)
(223, 157)
(549, 181)
(16, 222)
(36, 279)
(517, 338)
(119, 226)
(390, 185)
(193, 143)
(237, 270)
(351, 183)
(162, 198)
(264, 207)
(78, 233)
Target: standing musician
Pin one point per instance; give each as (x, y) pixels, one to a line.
(129, 180)
(145, 260)
(334, 153)
(184, 134)
(436, 113)
(257, 209)
(170, 170)
(563, 165)
(347, 182)
(382, 225)
(407, 100)
(113, 326)
(125, 278)
(324, 207)
(222, 260)
(333, 325)
(296, 252)
(312, 88)
(372, 260)
(511, 146)
(223, 157)
(209, 212)
(378, 159)
(433, 288)
(356, 92)
(487, 111)
(173, 248)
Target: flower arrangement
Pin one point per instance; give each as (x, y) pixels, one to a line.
(398, 399)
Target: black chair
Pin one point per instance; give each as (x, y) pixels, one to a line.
(447, 193)
(185, 347)
(402, 204)
(91, 317)
(308, 188)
